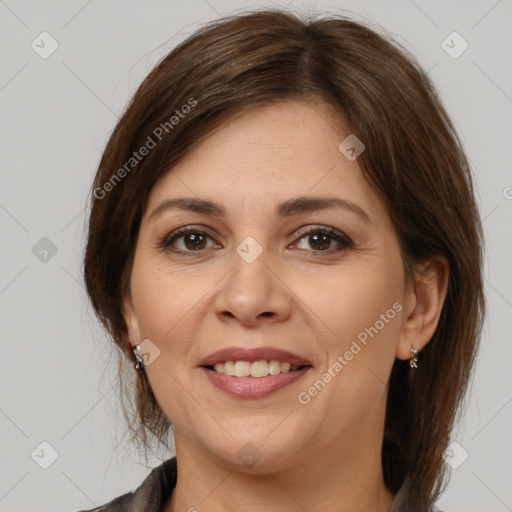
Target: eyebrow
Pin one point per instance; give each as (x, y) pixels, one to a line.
(289, 208)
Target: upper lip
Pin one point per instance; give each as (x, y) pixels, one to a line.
(253, 354)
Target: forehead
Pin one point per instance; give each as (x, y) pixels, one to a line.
(266, 156)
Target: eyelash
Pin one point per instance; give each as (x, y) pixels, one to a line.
(165, 243)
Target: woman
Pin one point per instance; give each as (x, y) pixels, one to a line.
(284, 241)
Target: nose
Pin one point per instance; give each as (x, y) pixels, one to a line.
(253, 293)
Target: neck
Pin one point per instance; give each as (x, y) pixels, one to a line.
(324, 483)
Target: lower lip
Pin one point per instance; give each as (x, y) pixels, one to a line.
(253, 387)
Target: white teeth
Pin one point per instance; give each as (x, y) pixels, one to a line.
(285, 367)
(274, 367)
(242, 369)
(229, 368)
(260, 368)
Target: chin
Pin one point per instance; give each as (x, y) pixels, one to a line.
(258, 450)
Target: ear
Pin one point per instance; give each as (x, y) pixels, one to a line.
(424, 301)
(131, 320)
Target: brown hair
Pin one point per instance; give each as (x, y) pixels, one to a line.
(413, 157)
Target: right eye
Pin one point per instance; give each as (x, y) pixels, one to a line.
(191, 239)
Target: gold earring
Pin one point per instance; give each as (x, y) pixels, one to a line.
(413, 362)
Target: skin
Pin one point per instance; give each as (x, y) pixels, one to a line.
(294, 297)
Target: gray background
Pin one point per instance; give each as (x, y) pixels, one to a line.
(57, 381)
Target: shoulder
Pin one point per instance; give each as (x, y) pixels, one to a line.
(120, 503)
(150, 496)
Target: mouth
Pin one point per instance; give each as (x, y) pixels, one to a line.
(253, 373)
(256, 369)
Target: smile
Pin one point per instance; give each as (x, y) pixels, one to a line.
(256, 369)
(252, 373)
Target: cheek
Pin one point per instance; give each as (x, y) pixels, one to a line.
(170, 302)
(358, 304)
(362, 308)
(160, 295)
(160, 303)
(164, 300)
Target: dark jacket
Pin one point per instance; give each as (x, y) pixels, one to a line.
(155, 490)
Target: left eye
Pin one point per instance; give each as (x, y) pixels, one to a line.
(194, 240)
(321, 239)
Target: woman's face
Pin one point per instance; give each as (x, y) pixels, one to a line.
(269, 272)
